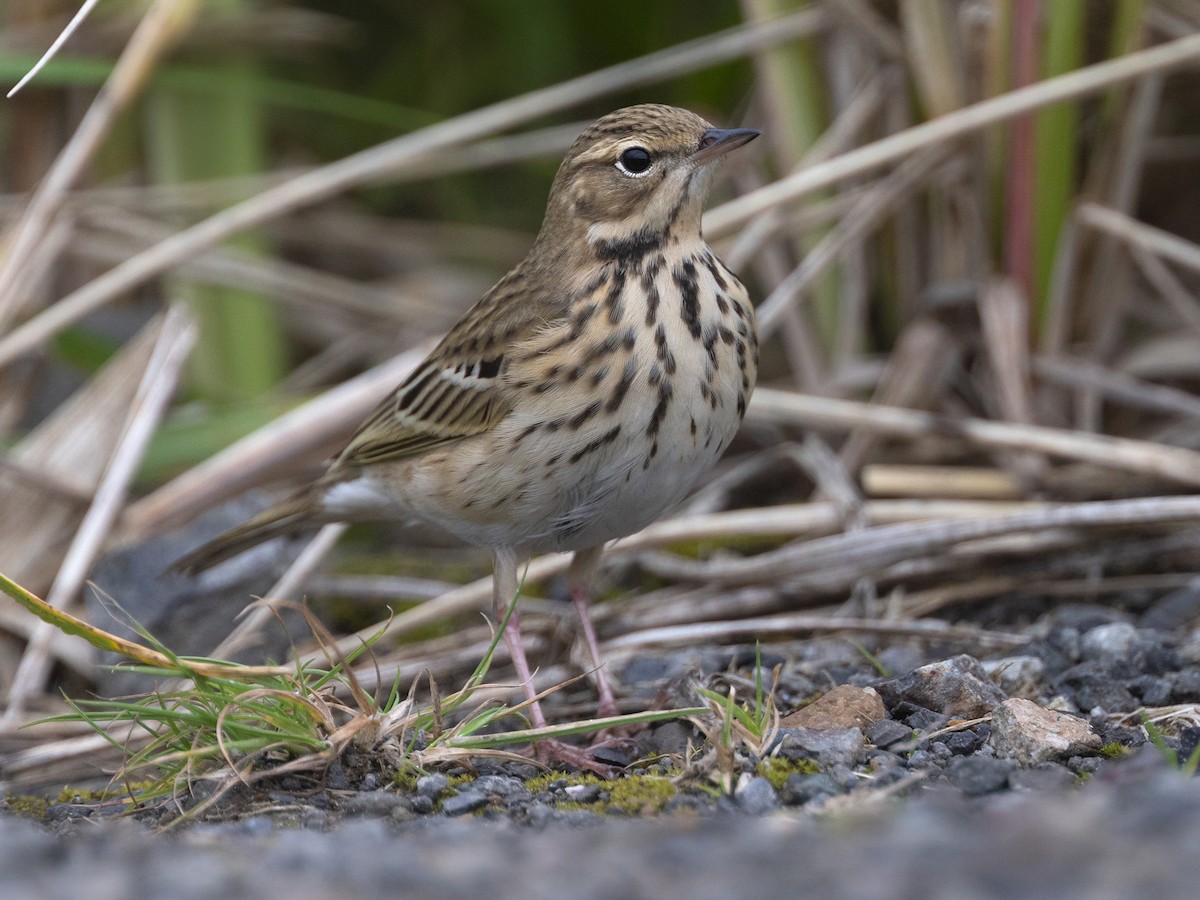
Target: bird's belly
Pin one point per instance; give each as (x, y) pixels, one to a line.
(635, 462)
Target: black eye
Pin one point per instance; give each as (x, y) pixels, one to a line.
(634, 161)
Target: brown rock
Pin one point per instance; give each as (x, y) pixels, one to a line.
(1031, 734)
(845, 706)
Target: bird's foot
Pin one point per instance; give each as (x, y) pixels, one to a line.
(582, 758)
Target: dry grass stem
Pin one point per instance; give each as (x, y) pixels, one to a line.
(1170, 463)
(309, 432)
(176, 336)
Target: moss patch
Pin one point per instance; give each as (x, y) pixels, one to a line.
(28, 807)
(640, 794)
(631, 794)
(777, 769)
(1115, 750)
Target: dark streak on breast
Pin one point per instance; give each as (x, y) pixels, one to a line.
(689, 290)
(607, 438)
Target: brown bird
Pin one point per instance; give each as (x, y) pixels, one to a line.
(581, 397)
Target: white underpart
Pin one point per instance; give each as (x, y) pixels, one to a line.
(363, 497)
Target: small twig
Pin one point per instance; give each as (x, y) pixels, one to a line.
(790, 623)
(873, 549)
(1139, 234)
(1118, 386)
(1173, 463)
(865, 215)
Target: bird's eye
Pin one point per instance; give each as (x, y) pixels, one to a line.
(634, 161)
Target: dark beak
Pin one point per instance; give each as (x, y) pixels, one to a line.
(716, 142)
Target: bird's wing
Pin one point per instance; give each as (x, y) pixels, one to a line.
(459, 390)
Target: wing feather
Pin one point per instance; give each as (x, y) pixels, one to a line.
(460, 389)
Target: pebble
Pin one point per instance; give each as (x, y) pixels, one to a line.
(923, 720)
(1153, 690)
(432, 786)
(828, 748)
(1115, 639)
(461, 804)
(1097, 683)
(373, 803)
(800, 789)
(583, 793)
(958, 686)
(887, 732)
(1030, 734)
(974, 775)
(1015, 674)
(1185, 686)
(499, 786)
(846, 706)
(960, 743)
(756, 797)
(421, 805)
(669, 737)
(923, 759)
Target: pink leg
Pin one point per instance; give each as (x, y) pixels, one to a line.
(504, 588)
(579, 578)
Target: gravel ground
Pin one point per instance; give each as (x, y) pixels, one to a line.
(917, 771)
(1129, 835)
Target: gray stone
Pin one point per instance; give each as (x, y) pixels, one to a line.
(669, 737)
(887, 732)
(1114, 640)
(432, 786)
(373, 803)
(1015, 674)
(583, 793)
(957, 686)
(828, 748)
(974, 775)
(800, 789)
(461, 804)
(499, 786)
(756, 797)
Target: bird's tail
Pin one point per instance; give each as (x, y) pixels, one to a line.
(283, 518)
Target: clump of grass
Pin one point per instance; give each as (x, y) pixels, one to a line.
(751, 725)
(236, 725)
(1189, 765)
(229, 725)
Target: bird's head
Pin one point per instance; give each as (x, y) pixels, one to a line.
(637, 178)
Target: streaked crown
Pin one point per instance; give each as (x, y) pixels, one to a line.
(636, 175)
